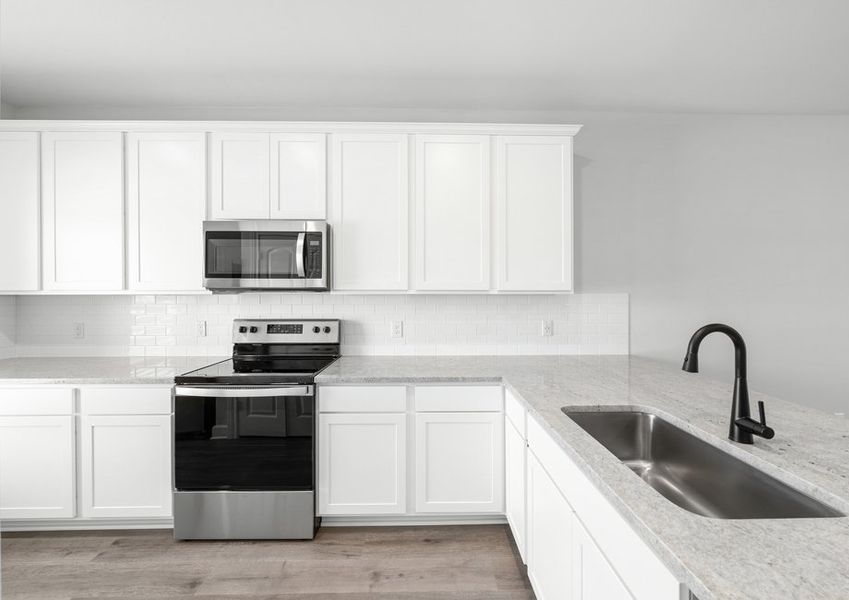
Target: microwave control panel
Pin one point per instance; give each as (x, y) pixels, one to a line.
(313, 255)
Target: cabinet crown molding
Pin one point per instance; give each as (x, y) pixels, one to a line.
(295, 126)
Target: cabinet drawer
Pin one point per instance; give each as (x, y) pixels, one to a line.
(36, 401)
(362, 399)
(459, 398)
(514, 412)
(640, 569)
(125, 401)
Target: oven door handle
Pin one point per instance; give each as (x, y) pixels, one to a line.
(232, 391)
(299, 255)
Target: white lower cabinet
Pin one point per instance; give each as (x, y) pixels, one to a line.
(549, 536)
(125, 444)
(36, 467)
(362, 463)
(126, 465)
(440, 446)
(593, 577)
(515, 473)
(123, 470)
(586, 551)
(460, 462)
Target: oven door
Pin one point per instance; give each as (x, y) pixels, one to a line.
(265, 255)
(244, 438)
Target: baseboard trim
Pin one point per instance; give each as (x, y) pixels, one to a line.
(82, 524)
(167, 523)
(411, 520)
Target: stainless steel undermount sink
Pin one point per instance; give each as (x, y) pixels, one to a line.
(692, 473)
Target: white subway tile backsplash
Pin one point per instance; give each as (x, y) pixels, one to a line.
(7, 326)
(166, 325)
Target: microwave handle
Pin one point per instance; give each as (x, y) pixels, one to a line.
(299, 255)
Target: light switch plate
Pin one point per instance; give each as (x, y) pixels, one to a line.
(201, 329)
(79, 331)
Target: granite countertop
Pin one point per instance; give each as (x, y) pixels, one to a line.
(716, 558)
(91, 370)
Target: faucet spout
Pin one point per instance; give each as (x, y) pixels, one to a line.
(691, 360)
(742, 426)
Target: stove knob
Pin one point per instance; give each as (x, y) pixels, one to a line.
(254, 329)
(243, 329)
(316, 329)
(326, 329)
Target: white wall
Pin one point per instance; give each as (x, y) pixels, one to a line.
(742, 220)
(7, 326)
(167, 325)
(7, 111)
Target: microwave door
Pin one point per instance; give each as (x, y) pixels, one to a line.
(279, 262)
(281, 256)
(232, 255)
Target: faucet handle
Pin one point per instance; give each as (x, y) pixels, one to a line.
(761, 412)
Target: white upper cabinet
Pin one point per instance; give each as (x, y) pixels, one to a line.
(298, 176)
(262, 175)
(166, 175)
(83, 210)
(240, 175)
(369, 211)
(452, 213)
(533, 184)
(19, 207)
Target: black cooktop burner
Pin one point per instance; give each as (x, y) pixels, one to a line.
(264, 371)
(272, 351)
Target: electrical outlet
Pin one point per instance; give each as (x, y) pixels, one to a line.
(548, 328)
(201, 331)
(79, 331)
(397, 329)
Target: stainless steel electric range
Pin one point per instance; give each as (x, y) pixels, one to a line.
(244, 434)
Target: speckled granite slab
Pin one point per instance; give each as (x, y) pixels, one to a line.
(93, 370)
(769, 559)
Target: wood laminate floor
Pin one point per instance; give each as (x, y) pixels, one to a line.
(351, 563)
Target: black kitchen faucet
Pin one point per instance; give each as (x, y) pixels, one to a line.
(742, 426)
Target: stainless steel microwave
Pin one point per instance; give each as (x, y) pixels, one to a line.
(265, 255)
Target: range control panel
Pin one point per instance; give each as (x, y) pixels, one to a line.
(274, 331)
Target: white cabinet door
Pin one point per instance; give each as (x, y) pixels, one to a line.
(515, 484)
(37, 467)
(459, 463)
(549, 536)
(369, 211)
(83, 210)
(166, 175)
(594, 578)
(534, 213)
(240, 175)
(452, 212)
(19, 207)
(298, 176)
(126, 465)
(362, 464)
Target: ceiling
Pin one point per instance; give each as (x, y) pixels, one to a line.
(711, 56)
